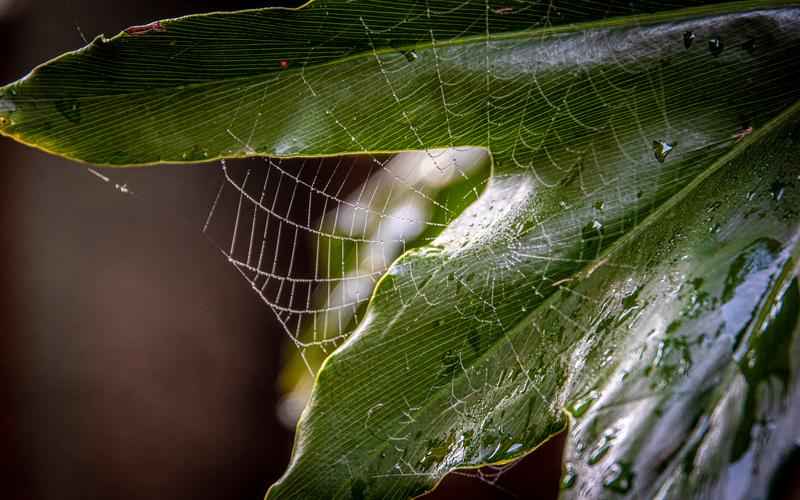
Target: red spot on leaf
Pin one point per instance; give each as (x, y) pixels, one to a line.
(741, 134)
(284, 64)
(147, 28)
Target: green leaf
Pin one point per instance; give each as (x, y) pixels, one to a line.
(690, 386)
(633, 258)
(374, 76)
(676, 352)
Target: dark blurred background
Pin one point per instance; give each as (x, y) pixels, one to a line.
(135, 362)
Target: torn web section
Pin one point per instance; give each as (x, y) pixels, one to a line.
(313, 236)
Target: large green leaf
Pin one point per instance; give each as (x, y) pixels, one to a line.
(388, 76)
(633, 258)
(676, 351)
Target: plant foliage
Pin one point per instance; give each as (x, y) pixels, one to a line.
(632, 260)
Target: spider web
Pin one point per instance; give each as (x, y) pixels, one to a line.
(354, 216)
(312, 237)
(346, 219)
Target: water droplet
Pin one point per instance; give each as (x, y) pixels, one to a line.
(427, 251)
(569, 477)
(715, 46)
(592, 238)
(513, 449)
(579, 407)
(757, 257)
(619, 477)
(767, 366)
(194, 154)
(410, 55)
(688, 38)
(777, 189)
(629, 300)
(661, 149)
(602, 447)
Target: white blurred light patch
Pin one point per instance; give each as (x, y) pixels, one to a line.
(395, 216)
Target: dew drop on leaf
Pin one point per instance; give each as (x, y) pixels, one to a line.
(755, 258)
(603, 446)
(777, 189)
(661, 149)
(513, 449)
(579, 407)
(569, 477)
(715, 46)
(688, 38)
(619, 478)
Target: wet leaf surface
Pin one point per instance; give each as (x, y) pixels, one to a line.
(631, 266)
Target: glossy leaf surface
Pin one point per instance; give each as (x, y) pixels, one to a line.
(633, 258)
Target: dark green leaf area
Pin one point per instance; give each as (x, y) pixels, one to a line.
(677, 335)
